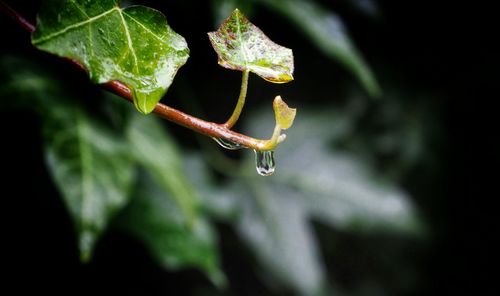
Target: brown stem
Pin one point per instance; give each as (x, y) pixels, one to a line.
(196, 124)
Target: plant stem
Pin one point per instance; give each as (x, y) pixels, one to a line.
(27, 25)
(241, 101)
(196, 124)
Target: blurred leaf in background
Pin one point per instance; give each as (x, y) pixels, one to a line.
(313, 182)
(155, 219)
(89, 163)
(158, 154)
(92, 168)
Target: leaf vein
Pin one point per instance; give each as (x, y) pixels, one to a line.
(243, 45)
(79, 8)
(74, 26)
(144, 27)
(129, 40)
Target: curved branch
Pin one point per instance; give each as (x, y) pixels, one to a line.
(196, 124)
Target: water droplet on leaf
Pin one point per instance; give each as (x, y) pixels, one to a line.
(228, 144)
(264, 162)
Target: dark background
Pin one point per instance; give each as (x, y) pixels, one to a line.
(428, 46)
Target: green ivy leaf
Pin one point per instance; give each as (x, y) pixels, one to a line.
(153, 217)
(327, 31)
(156, 151)
(91, 167)
(134, 45)
(241, 46)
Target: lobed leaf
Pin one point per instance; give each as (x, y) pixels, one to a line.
(241, 46)
(134, 45)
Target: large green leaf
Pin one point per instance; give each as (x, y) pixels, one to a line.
(327, 31)
(134, 45)
(156, 151)
(154, 218)
(240, 45)
(91, 167)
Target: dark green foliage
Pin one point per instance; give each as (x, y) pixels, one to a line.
(138, 177)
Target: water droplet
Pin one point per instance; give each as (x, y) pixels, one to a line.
(228, 144)
(264, 162)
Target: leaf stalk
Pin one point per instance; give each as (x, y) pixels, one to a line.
(241, 101)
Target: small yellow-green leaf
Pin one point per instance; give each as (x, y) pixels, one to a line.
(241, 46)
(284, 114)
(134, 45)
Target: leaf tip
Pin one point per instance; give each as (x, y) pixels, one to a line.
(145, 100)
(218, 278)
(283, 78)
(86, 244)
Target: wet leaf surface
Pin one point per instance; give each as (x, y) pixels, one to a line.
(241, 46)
(134, 45)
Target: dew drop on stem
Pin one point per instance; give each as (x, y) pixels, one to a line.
(264, 162)
(228, 144)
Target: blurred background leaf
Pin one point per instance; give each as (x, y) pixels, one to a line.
(92, 168)
(154, 218)
(89, 163)
(158, 154)
(312, 182)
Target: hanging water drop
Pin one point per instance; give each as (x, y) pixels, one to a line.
(264, 162)
(229, 144)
